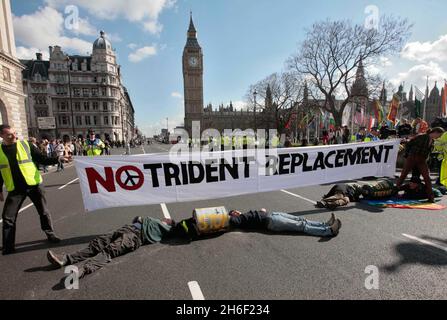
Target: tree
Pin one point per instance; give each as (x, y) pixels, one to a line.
(276, 95)
(332, 52)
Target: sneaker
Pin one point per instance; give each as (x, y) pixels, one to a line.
(331, 220)
(335, 227)
(56, 260)
(53, 238)
(319, 204)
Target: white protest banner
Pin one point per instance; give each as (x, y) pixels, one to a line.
(118, 181)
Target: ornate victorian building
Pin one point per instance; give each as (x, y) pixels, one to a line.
(69, 94)
(12, 98)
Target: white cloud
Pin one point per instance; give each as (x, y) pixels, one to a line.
(30, 53)
(239, 105)
(153, 27)
(379, 67)
(146, 11)
(142, 53)
(426, 51)
(132, 46)
(177, 95)
(45, 28)
(417, 75)
(85, 28)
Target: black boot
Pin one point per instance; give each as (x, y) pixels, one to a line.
(53, 238)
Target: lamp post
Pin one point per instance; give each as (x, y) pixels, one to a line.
(255, 93)
(69, 63)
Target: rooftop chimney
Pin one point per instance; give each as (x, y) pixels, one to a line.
(51, 50)
(39, 56)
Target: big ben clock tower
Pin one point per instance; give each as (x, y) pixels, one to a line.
(192, 78)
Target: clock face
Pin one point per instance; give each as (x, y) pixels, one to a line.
(193, 61)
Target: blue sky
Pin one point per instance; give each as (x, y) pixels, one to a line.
(243, 41)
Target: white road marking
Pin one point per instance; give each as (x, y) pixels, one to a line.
(24, 208)
(165, 211)
(72, 181)
(425, 242)
(142, 148)
(298, 196)
(196, 292)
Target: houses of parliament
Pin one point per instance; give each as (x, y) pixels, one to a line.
(229, 118)
(224, 118)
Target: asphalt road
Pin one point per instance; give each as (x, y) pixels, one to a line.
(409, 248)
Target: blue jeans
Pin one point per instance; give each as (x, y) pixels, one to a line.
(284, 222)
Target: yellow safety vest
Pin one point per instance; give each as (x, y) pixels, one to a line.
(94, 150)
(26, 165)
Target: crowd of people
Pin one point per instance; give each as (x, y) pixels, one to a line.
(403, 129)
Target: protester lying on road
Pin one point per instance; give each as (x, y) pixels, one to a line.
(416, 190)
(344, 193)
(143, 231)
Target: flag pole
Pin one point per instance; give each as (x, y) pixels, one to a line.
(425, 101)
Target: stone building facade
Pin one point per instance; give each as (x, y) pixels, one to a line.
(79, 93)
(12, 97)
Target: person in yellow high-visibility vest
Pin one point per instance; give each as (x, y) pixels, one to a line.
(440, 145)
(93, 146)
(22, 179)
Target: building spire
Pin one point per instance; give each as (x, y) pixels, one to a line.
(192, 29)
(360, 88)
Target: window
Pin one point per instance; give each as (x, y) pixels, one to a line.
(77, 92)
(95, 79)
(77, 106)
(87, 121)
(105, 106)
(85, 92)
(106, 120)
(103, 92)
(95, 106)
(41, 100)
(78, 120)
(6, 74)
(60, 90)
(94, 92)
(64, 120)
(87, 106)
(95, 120)
(62, 106)
(41, 113)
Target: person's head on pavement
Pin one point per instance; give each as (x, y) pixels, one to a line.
(415, 182)
(8, 134)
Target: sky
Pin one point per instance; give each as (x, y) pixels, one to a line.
(243, 41)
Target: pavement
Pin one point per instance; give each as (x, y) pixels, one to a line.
(408, 248)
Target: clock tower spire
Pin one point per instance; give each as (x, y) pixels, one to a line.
(192, 78)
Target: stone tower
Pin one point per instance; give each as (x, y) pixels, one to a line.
(192, 78)
(12, 98)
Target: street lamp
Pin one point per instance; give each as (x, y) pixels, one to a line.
(69, 64)
(255, 93)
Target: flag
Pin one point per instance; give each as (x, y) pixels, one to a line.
(292, 118)
(378, 111)
(419, 96)
(331, 122)
(394, 107)
(371, 123)
(358, 115)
